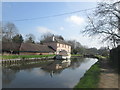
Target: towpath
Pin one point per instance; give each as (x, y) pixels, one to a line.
(108, 77)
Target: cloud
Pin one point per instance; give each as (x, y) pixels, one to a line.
(88, 41)
(42, 30)
(75, 19)
(61, 28)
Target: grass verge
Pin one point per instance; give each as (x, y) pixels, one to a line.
(24, 56)
(90, 78)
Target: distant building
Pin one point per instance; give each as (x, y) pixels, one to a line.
(58, 45)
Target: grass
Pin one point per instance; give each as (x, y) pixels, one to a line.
(76, 55)
(102, 57)
(24, 56)
(90, 78)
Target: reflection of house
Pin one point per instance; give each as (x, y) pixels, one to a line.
(58, 45)
(57, 65)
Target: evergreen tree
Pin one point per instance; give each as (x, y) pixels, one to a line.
(18, 38)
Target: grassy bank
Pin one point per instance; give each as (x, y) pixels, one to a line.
(90, 78)
(102, 57)
(24, 56)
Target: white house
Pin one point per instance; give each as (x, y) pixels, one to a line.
(58, 45)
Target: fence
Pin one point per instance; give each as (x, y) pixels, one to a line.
(115, 57)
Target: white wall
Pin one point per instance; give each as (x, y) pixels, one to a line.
(65, 47)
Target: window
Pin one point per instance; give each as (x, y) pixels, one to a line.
(58, 44)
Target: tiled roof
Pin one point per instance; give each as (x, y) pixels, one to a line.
(29, 47)
(56, 39)
(26, 47)
(10, 46)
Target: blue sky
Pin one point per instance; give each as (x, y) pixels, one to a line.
(69, 26)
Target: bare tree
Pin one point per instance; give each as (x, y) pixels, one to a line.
(75, 46)
(48, 37)
(105, 21)
(8, 31)
(30, 38)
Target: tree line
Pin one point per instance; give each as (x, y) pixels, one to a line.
(10, 34)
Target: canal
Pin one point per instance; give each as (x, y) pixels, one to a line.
(45, 74)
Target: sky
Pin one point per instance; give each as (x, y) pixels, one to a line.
(69, 26)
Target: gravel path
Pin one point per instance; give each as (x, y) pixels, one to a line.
(108, 77)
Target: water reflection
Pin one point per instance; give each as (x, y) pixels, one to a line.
(45, 74)
(56, 67)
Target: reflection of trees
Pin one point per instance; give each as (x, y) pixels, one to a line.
(52, 67)
(8, 75)
(26, 65)
(9, 70)
(76, 62)
(29, 69)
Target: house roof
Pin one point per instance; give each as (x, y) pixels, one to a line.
(26, 47)
(10, 46)
(30, 47)
(61, 41)
(56, 40)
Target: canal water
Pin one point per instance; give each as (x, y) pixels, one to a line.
(45, 74)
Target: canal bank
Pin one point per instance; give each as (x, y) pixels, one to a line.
(16, 58)
(100, 75)
(90, 78)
